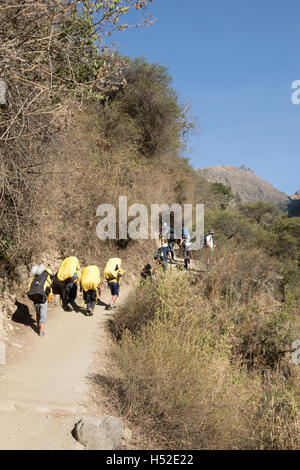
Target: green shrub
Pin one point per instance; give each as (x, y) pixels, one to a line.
(6, 244)
(150, 101)
(224, 192)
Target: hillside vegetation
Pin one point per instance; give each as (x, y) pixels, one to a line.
(295, 204)
(200, 360)
(203, 359)
(97, 127)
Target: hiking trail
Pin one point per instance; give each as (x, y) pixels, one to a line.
(45, 386)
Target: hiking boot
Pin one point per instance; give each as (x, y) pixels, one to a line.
(74, 307)
(67, 308)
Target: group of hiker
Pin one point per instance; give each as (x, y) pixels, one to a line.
(70, 276)
(165, 252)
(66, 281)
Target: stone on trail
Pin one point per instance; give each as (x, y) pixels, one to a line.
(99, 433)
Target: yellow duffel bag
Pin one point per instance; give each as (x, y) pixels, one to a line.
(68, 268)
(90, 278)
(112, 268)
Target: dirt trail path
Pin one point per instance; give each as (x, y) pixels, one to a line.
(45, 386)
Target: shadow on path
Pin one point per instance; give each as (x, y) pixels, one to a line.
(22, 315)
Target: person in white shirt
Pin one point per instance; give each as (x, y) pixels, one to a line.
(209, 243)
(209, 240)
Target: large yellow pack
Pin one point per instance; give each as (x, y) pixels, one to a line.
(68, 268)
(90, 278)
(112, 268)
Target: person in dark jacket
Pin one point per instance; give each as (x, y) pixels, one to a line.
(165, 254)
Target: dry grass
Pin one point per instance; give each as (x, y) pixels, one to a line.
(198, 374)
(239, 273)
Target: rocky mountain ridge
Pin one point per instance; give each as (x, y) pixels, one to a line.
(248, 187)
(296, 196)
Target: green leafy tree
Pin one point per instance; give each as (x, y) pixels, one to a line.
(259, 212)
(224, 192)
(149, 100)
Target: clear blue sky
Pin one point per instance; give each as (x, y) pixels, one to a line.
(234, 61)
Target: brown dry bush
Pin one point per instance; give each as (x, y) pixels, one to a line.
(30, 119)
(153, 297)
(278, 420)
(175, 384)
(51, 64)
(183, 357)
(239, 274)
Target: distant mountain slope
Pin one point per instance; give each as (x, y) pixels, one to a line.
(296, 196)
(245, 183)
(295, 204)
